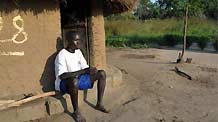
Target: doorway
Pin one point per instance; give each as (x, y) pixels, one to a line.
(75, 16)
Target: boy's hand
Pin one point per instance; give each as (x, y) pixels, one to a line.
(93, 70)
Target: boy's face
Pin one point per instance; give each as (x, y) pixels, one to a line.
(75, 43)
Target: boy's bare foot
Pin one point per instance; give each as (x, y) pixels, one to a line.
(78, 117)
(102, 108)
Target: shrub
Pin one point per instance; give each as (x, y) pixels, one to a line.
(190, 40)
(202, 42)
(136, 41)
(137, 46)
(188, 44)
(133, 41)
(116, 41)
(161, 41)
(170, 40)
(214, 39)
(215, 45)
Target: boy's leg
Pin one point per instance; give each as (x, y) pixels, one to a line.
(100, 76)
(72, 90)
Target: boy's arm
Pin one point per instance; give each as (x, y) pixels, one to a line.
(73, 75)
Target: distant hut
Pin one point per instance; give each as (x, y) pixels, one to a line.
(32, 30)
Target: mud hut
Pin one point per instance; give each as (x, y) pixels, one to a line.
(97, 29)
(89, 17)
(32, 31)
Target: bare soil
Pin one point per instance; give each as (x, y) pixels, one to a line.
(153, 92)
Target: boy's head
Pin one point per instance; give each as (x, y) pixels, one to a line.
(73, 39)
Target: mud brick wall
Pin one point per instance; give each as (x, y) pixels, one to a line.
(28, 41)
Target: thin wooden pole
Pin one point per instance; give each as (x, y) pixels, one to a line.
(185, 33)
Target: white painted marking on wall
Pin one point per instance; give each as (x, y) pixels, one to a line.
(6, 40)
(20, 29)
(12, 53)
(1, 23)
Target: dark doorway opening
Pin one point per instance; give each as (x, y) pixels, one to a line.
(75, 16)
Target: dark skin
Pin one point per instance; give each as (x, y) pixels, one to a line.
(72, 79)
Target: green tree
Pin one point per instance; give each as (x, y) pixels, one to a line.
(146, 10)
(211, 9)
(176, 8)
(169, 8)
(142, 9)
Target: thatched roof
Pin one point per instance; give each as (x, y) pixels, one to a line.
(118, 6)
(109, 6)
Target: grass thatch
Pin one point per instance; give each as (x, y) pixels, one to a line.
(109, 6)
(118, 6)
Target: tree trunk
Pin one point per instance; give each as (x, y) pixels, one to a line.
(184, 33)
(98, 52)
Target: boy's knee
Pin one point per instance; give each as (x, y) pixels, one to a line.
(75, 81)
(72, 83)
(102, 73)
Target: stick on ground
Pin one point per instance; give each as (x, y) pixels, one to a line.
(20, 102)
(6, 101)
(183, 74)
(3, 102)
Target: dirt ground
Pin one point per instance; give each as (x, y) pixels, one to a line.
(153, 92)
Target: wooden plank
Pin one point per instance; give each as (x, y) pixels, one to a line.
(20, 102)
(6, 101)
